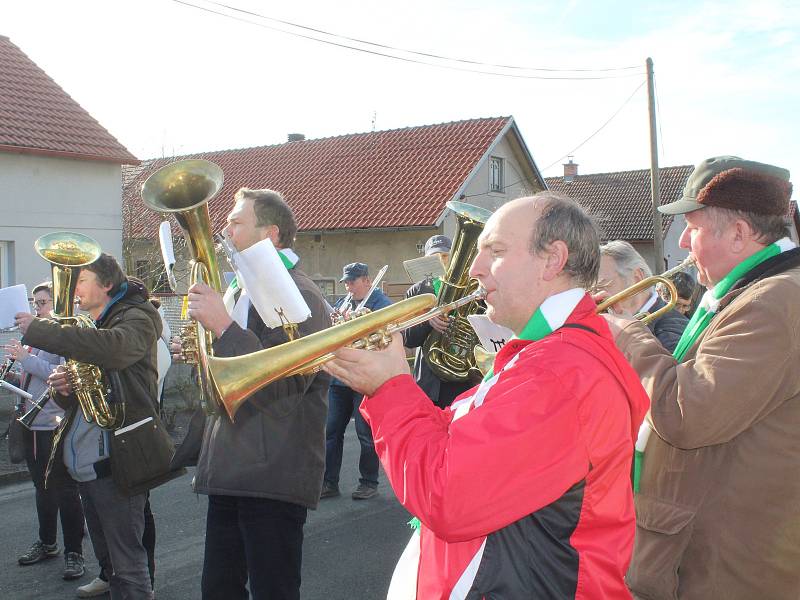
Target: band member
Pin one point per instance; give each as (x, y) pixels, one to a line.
(717, 508)
(62, 498)
(621, 266)
(263, 472)
(442, 393)
(343, 402)
(124, 342)
(522, 486)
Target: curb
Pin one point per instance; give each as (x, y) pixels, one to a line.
(14, 477)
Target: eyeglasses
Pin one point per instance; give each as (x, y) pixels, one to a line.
(41, 302)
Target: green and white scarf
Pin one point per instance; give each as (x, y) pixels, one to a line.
(709, 306)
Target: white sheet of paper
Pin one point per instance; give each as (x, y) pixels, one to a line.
(423, 267)
(492, 336)
(13, 300)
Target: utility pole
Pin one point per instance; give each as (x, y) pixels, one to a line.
(655, 193)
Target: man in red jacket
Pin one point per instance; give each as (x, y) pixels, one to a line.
(522, 486)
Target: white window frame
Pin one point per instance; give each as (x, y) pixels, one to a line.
(496, 184)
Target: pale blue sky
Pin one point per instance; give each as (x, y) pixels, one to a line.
(164, 77)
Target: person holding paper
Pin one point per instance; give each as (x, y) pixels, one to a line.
(343, 402)
(111, 479)
(441, 392)
(264, 471)
(60, 498)
(522, 486)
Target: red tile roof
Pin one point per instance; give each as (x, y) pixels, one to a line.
(396, 178)
(621, 201)
(38, 117)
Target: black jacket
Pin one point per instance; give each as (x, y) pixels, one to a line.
(124, 342)
(668, 328)
(276, 446)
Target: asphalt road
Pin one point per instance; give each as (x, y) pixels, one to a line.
(349, 551)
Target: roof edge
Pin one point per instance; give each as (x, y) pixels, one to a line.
(121, 160)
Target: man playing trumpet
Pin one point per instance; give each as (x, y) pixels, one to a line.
(522, 486)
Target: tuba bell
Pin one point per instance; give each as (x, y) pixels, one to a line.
(450, 354)
(67, 253)
(184, 189)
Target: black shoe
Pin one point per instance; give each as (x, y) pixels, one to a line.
(39, 552)
(73, 566)
(329, 490)
(364, 492)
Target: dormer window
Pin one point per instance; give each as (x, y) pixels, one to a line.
(496, 174)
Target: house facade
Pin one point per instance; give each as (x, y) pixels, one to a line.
(371, 197)
(61, 170)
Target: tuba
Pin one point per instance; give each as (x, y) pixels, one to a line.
(450, 354)
(67, 253)
(184, 189)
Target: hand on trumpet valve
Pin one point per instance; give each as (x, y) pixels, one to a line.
(206, 307)
(440, 323)
(23, 320)
(15, 350)
(364, 370)
(59, 381)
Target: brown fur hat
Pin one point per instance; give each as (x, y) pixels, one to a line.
(750, 191)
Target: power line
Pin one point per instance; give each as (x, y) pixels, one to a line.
(402, 58)
(416, 52)
(611, 118)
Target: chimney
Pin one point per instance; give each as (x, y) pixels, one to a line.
(296, 137)
(570, 171)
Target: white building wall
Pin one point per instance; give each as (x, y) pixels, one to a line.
(40, 195)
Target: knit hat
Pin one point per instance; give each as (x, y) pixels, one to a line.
(736, 184)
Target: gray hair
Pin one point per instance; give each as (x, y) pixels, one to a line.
(626, 259)
(564, 219)
(766, 228)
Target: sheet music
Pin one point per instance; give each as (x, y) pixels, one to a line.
(492, 336)
(423, 267)
(13, 300)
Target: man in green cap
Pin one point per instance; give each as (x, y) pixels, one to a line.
(717, 507)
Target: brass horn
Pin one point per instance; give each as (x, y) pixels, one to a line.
(184, 188)
(238, 377)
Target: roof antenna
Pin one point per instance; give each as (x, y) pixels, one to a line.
(374, 119)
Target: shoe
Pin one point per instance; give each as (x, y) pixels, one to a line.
(364, 492)
(96, 587)
(38, 552)
(329, 490)
(73, 566)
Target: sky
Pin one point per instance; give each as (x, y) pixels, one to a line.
(171, 78)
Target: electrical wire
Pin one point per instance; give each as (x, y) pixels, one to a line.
(406, 59)
(611, 118)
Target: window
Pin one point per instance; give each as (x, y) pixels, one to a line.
(327, 287)
(496, 174)
(5, 267)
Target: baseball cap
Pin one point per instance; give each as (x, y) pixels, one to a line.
(438, 244)
(354, 271)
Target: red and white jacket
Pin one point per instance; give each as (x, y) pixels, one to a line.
(522, 486)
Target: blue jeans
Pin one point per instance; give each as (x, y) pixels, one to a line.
(255, 541)
(342, 404)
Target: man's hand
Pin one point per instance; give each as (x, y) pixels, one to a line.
(16, 351)
(440, 323)
(23, 320)
(176, 349)
(206, 306)
(367, 370)
(59, 382)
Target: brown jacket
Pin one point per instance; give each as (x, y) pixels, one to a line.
(718, 513)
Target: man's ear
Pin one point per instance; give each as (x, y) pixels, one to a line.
(741, 235)
(273, 233)
(638, 275)
(556, 256)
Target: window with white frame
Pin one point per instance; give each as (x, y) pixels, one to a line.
(496, 174)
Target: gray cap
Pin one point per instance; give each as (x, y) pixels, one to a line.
(438, 244)
(354, 271)
(692, 198)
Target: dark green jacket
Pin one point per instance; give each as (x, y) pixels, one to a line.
(124, 341)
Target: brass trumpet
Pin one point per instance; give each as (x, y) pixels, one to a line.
(664, 278)
(238, 377)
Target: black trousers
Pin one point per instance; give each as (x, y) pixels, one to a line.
(57, 498)
(253, 539)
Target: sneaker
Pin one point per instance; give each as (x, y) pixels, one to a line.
(73, 566)
(364, 492)
(96, 587)
(38, 552)
(329, 490)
